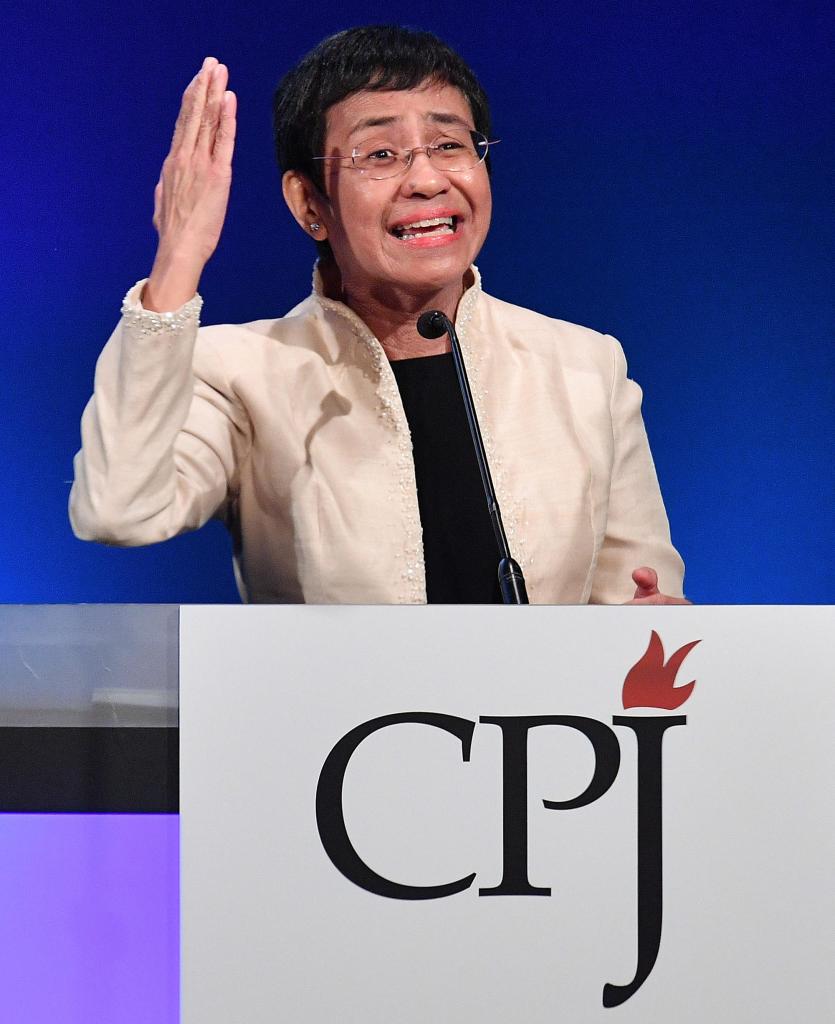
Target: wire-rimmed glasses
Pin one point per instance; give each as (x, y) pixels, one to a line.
(455, 149)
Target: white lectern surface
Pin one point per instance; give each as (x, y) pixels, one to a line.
(358, 785)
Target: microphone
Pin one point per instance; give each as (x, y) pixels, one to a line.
(432, 324)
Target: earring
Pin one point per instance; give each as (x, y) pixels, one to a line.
(314, 227)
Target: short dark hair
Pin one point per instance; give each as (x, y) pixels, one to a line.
(375, 57)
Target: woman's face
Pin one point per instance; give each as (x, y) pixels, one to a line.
(365, 218)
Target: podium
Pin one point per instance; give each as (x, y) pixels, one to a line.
(449, 814)
(417, 814)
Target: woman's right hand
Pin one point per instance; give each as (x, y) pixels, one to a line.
(192, 194)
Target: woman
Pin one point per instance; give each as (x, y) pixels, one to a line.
(328, 440)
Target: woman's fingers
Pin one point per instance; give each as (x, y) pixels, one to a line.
(646, 581)
(646, 589)
(192, 108)
(210, 119)
(225, 137)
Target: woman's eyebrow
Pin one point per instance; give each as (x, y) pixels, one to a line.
(434, 116)
(441, 117)
(373, 122)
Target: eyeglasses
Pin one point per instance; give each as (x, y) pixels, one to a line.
(456, 149)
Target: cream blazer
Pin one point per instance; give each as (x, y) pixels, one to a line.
(292, 431)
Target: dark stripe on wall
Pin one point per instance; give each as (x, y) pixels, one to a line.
(95, 770)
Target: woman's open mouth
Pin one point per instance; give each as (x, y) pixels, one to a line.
(432, 227)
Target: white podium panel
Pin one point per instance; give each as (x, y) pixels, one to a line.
(447, 814)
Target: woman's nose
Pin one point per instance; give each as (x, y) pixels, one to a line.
(422, 176)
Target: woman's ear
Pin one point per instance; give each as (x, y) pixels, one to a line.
(305, 204)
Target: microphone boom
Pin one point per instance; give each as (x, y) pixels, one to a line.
(432, 324)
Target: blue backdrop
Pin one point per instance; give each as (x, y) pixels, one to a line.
(665, 175)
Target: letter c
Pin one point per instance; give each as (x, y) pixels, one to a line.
(330, 815)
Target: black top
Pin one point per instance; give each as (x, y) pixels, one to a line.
(459, 545)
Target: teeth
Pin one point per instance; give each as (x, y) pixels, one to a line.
(445, 230)
(402, 230)
(434, 222)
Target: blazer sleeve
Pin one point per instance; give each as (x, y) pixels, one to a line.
(637, 529)
(162, 437)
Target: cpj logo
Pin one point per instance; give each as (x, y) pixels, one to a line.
(649, 684)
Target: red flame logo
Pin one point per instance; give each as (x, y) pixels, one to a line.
(651, 684)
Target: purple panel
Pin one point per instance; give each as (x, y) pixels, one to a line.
(89, 919)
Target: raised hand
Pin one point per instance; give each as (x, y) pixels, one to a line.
(192, 194)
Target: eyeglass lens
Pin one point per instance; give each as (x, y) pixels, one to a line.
(454, 150)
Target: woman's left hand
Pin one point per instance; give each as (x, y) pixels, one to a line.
(647, 592)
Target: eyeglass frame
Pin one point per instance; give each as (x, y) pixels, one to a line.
(409, 156)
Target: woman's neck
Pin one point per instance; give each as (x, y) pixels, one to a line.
(393, 318)
(396, 329)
